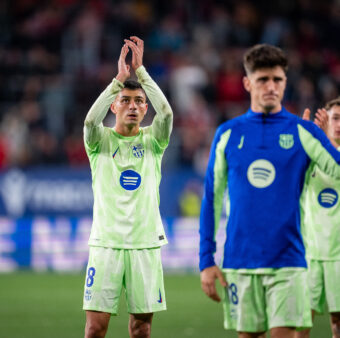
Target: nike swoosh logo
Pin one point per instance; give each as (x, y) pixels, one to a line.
(241, 142)
(160, 297)
(114, 154)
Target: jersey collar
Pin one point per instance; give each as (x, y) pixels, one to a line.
(259, 115)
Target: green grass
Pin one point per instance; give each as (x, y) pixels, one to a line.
(49, 305)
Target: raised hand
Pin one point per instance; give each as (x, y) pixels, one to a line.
(137, 47)
(306, 114)
(321, 119)
(123, 68)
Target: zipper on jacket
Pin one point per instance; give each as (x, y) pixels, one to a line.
(263, 127)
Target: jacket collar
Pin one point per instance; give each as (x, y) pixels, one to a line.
(259, 115)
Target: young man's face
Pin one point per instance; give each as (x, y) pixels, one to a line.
(130, 107)
(334, 123)
(266, 87)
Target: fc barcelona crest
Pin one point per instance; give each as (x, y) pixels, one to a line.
(138, 150)
(286, 141)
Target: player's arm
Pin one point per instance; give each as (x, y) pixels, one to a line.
(93, 126)
(319, 149)
(211, 209)
(208, 278)
(321, 120)
(162, 123)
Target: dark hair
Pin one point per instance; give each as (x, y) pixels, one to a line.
(133, 85)
(330, 104)
(264, 56)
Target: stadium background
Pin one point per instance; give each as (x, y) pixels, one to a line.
(55, 58)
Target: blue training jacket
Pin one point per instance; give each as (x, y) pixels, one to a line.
(261, 160)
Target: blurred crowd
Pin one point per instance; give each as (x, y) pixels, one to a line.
(57, 56)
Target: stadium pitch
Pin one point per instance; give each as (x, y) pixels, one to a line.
(49, 305)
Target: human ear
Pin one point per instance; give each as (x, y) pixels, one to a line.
(112, 107)
(246, 83)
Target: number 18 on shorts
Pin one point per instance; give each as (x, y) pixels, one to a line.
(138, 272)
(258, 302)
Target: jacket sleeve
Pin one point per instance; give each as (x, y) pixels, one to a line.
(212, 203)
(319, 149)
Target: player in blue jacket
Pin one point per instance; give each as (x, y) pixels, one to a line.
(260, 160)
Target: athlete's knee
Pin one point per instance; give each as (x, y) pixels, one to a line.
(251, 335)
(282, 332)
(95, 329)
(335, 322)
(142, 330)
(302, 334)
(140, 326)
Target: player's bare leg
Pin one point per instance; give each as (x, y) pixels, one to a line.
(302, 334)
(251, 335)
(335, 324)
(305, 333)
(96, 324)
(282, 332)
(140, 325)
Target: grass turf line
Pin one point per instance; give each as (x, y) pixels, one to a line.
(49, 305)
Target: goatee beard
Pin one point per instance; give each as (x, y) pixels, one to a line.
(268, 109)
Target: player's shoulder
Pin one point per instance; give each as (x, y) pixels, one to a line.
(108, 130)
(150, 141)
(298, 121)
(145, 130)
(289, 116)
(310, 126)
(146, 134)
(231, 124)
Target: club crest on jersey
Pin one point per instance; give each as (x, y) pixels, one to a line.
(286, 141)
(261, 173)
(328, 198)
(138, 150)
(88, 295)
(130, 180)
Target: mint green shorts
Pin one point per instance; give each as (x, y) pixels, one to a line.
(258, 302)
(324, 281)
(139, 272)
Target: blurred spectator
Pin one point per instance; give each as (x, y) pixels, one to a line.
(187, 77)
(81, 44)
(190, 199)
(229, 79)
(56, 57)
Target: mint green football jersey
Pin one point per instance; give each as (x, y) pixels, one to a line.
(126, 172)
(321, 215)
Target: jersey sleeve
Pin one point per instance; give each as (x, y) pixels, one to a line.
(303, 205)
(162, 123)
(319, 149)
(93, 126)
(212, 203)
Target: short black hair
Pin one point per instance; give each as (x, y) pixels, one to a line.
(133, 85)
(264, 56)
(330, 104)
